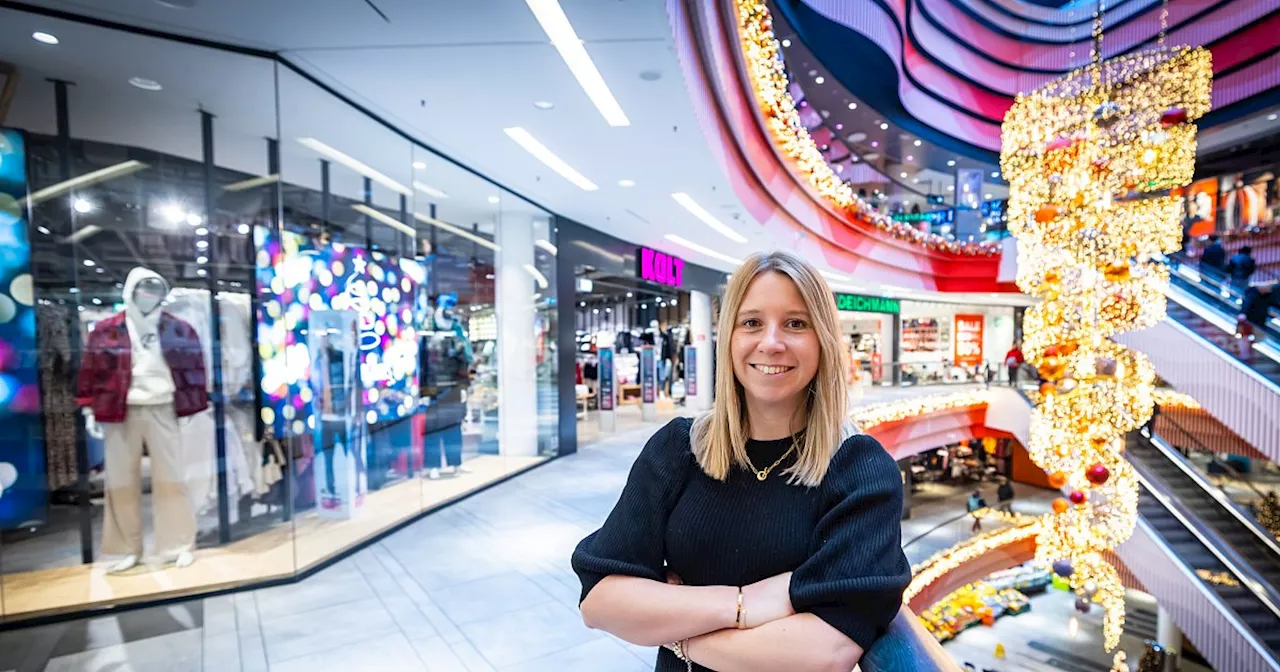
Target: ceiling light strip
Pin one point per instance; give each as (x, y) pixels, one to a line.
(703, 250)
(686, 201)
(463, 233)
(385, 219)
(547, 157)
(558, 29)
(537, 276)
(109, 173)
(354, 164)
(429, 190)
(547, 245)
(252, 183)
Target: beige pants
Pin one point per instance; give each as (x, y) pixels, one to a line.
(175, 520)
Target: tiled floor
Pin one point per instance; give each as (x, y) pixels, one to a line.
(482, 586)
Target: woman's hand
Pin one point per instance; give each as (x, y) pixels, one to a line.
(767, 601)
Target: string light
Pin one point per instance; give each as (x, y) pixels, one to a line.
(867, 417)
(767, 73)
(1090, 159)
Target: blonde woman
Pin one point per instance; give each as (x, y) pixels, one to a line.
(765, 535)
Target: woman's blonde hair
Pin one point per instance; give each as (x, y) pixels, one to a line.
(720, 436)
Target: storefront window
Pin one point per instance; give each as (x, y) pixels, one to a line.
(232, 345)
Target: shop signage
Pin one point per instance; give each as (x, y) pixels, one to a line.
(648, 375)
(690, 370)
(969, 340)
(659, 267)
(606, 378)
(867, 304)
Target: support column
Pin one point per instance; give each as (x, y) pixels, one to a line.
(1167, 633)
(517, 365)
(217, 396)
(700, 332)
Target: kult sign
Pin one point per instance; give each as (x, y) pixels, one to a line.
(659, 267)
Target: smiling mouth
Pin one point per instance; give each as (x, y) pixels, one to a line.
(773, 370)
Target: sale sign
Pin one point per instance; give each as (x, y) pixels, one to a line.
(969, 340)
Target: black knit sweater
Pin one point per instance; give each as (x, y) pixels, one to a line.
(842, 539)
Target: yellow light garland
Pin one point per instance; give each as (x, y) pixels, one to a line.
(867, 417)
(1090, 159)
(762, 56)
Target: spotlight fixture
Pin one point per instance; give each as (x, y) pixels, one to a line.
(884, 126)
(82, 205)
(819, 80)
(952, 162)
(916, 143)
(145, 84)
(995, 174)
(853, 106)
(44, 38)
(786, 43)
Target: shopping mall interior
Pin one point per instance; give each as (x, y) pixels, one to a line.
(410, 314)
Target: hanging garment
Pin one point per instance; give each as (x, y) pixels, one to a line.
(156, 427)
(199, 449)
(57, 395)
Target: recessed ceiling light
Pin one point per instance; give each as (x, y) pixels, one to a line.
(44, 38)
(915, 181)
(986, 196)
(626, 183)
(951, 162)
(911, 157)
(819, 80)
(786, 43)
(916, 143)
(243, 229)
(853, 106)
(89, 262)
(145, 84)
(548, 158)
(82, 205)
(686, 201)
(884, 126)
(995, 173)
(494, 200)
(651, 75)
(1271, 117)
(904, 175)
(574, 52)
(419, 165)
(543, 104)
(857, 137)
(951, 187)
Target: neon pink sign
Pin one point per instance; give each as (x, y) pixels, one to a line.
(659, 267)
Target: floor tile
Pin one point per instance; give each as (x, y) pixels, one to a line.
(477, 600)
(601, 654)
(389, 653)
(221, 653)
(175, 652)
(438, 656)
(514, 637)
(325, 629)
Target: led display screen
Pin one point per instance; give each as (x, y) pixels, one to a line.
(295, 275)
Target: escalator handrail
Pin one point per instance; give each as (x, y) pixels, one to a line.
(1216, 493)
(1213, 456)
(1185, 300)
(1182, 273)
(1209, 594)
(1243, 571)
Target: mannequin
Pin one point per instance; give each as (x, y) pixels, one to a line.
(446, 360)
(143, 370)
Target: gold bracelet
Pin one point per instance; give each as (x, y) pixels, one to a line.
(738, 621)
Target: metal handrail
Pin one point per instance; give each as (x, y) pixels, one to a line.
(1216, 493)
(1243, 571)
(1213, 457)
(1187, 301)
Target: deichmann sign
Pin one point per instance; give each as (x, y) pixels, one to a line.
(659, 267)
(866, 304)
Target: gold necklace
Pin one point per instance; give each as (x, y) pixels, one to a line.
(763, 474)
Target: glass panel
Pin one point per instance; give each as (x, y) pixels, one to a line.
(147, 461)
(343, 285)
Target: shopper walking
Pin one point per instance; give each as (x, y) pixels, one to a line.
(1005, 495)
(1240, 268)
(1214, 257)
(778, 523)
(1258, 302)
(975, 504)
(1014, 360)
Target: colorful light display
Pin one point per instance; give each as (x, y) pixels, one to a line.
(1090, 160)
(294, 277)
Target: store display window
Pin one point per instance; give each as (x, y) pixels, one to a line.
(244, 328)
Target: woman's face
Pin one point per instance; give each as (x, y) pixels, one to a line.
(774, 347)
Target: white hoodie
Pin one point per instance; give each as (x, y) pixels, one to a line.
(152, 382)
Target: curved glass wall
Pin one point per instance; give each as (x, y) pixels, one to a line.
(243, 326)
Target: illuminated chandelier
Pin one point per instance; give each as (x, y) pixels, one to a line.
(1090, 160)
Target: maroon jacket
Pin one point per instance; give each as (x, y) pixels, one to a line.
(106, 370)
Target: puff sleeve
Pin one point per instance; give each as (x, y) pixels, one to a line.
(631, 541)
(856, 570)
